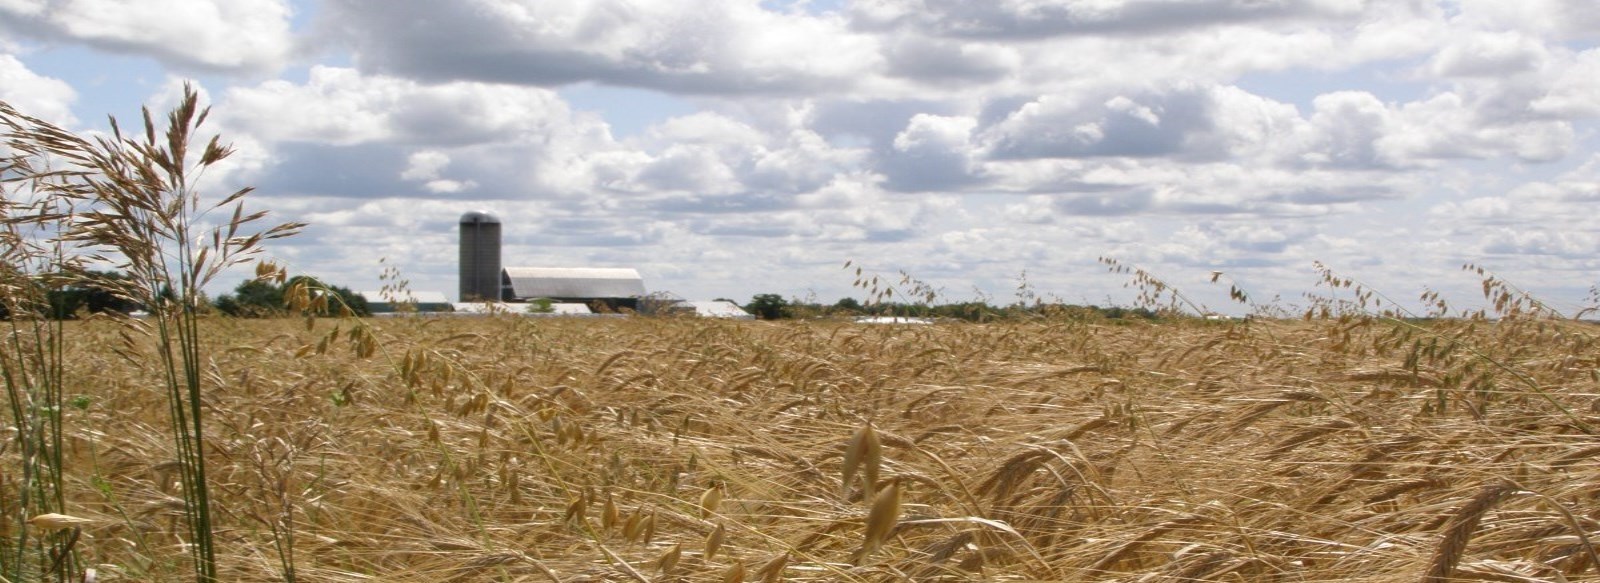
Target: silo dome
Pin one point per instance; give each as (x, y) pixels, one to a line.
(479, 217)
(480, 257)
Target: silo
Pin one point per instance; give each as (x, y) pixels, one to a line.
(480, 257)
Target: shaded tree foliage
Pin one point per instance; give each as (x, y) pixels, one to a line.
(774, 306)
(253, 298)
(91, 292)
(767, 306)
(256, 298)
(95, 293)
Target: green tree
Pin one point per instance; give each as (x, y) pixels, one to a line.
(341, 296)
(256, 298)
(91, 291)
(253, 298)
(847, 306)
(767, 306)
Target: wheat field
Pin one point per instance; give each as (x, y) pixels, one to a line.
(517, 449)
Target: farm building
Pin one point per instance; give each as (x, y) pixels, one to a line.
(379, 302)
(607, 288)
(529, 309)
(704, 309)
(720, 309)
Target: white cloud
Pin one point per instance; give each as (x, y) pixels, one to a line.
(949, 61)
(935, 134)
(694, 47)
(1518, 241)
(1568, 19)
(933, 152)
(1447, 127)
(36, 95)
(24, 7)
(449, 186)
(1574, 92)
(1349, 126)
(1034, 19)
(1035, 209)
(1489, 54)
(342, 106)
(1187, 121)
(425, 165)
(804, 162)
(346, 134)
(706, 128)
(236, 35)
(1561, 203)
(696, 169)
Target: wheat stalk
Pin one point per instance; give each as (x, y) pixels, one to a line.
(1459, 530)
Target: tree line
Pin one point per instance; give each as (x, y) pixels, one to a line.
(97, 293)
(259, 298)
(776, 307)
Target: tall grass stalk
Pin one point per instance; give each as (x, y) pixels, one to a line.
(32, 369)
(137, 206)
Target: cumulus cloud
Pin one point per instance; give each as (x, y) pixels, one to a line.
(426, 166)
(1559, 203)
(1031, 19)
(1503, 241)
(1563, 19)
(209, 35)
(1186, 121)
(342, 106)
(1349, 129)
(1546, 221)
(1573, 90)
(726, 46)
(719, 163)
(1489, 54)
(947, 61)
(34, 94)
(933, 152)
(342, 133)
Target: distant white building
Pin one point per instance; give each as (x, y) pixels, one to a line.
(720, 309)
(613, 288)
(665, 303)
(530, 309)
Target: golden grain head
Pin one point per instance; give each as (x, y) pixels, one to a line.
(710, 500)
(669, 559)
(714, 541)
(881, 521)
(864, 453)
(53, 521)
(772, 572)
(734, 573)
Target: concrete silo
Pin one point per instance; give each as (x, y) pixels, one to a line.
(480, 257)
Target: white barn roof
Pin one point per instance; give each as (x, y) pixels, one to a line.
(574, 282)
(721, 309)
(556, 309)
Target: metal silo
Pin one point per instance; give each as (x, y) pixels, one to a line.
(480, 257)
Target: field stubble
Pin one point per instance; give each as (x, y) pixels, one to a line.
(512, 449)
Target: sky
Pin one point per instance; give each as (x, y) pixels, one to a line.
(993, 150)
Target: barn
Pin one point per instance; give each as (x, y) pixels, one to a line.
(604, 288)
